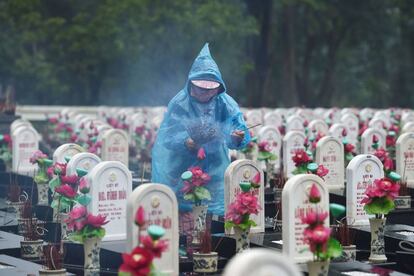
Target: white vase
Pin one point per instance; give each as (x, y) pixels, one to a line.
(242, 239)
(348, 254)
(205, 262)
(17, 208)
(31, 250)
(318, 268)
(64, 231)
(54, 272)
(199, 217)
(377, 240)
(92, 249)
(42, 194)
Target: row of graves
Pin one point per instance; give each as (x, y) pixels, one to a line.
(316, 192)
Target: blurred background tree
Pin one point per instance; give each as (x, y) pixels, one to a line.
(271, 53)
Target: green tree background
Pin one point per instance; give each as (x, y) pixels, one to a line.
(270, 52)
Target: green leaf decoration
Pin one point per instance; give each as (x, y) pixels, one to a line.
(202, 193)
(84, 199)
(334, 249)
(264, 155)
(189, 197)
(54, 183)
(379, 206)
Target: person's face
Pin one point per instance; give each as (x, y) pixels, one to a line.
(203, 95)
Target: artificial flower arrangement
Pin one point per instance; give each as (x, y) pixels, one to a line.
(251, 146)
(144, 140)
(140, 260)
(6, 149)
(245, 203)
(42, 161)
(316, 234)
(265, 151)
(195, 180)
(305, 165)
(85, 225)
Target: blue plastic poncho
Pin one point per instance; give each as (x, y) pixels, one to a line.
(209, 125)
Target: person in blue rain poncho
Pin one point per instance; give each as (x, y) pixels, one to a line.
(202, 115)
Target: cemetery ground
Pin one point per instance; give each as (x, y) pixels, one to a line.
(108, 149)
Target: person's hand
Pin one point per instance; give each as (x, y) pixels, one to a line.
(190, 143)
(238, 134)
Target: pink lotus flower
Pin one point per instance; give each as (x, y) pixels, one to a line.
(322, 171)
(96, 221)
(390, 141)
(73, 137)
(314, 194)
(84, 186)
(265, 146)
(388, 164)
(53, 120)
(201, 154)
(156, 247)
(77, 218)
(389, 187)
(301, 157)
(51, 171)
(314, 218)
(60, 168)
(256, 180)
(344, 132)
(247, 203)
(66, 191)
(37, 155)
(349, 148)
(317, 237)
(375, 139)
(140, 217)
(138, 263)
(233, 214)
(140, 130)
(381, 153)
(69, 179)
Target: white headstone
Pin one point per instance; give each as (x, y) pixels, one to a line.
(366, 114)
(273, 119)
(272, 136)
(377, 123)
(25, 142)
(405, 158)
(330, 153)
(293, 140)
(295, 123)
(360, 173)
(254, 117)
(319, 126)
(110, 185)
(115, 146)
(84, 160)
(261, 262)
(17, 123)
(407, 117)
(408, 127)
(295, 203)
(244, 170)
(160, 207)
(366, 140)
(66, 150)
(351, 122)
(337, 130)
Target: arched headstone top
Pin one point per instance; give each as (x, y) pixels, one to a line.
(84, 160)
(66, 150)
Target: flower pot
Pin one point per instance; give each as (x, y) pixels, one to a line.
(42, 194)
(348, 254)
(205, 262)
(17, 208)
(402, 202)
(31, 250)
(242, 239)
(22, 225)
(377, 240)
(318, 268)
(199, 217)
(92, 249)
(53, 272)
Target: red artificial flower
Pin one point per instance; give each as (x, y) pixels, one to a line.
(156, 247)
(201, 154)
(344, 132)
(7, 138)
(322, 171)
(247, 203)
(256, 180)
(232, 213)
(264, 146)
(138, 263)
(84, 186)
(140, 217)
(381, 153)
(349, 148)
(314, 194)
(69, 179)
(140, 130)
(390, 141)
(60, 168)
(73, 137)
(394, 128)
(66, 191)
(96, 221)
(388, 164)
(301, 157)
(389, 187)
(53, 120)
(375, 139)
